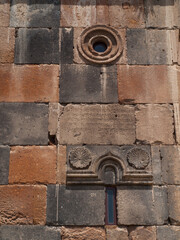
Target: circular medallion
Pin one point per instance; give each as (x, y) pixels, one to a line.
(80, 157)
(100, 44)
(138, 158)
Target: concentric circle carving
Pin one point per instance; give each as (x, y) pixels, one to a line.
(138, 158)
(80, 157)
(100, 34)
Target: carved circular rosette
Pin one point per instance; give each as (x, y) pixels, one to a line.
(138, 158)
(80, 157)
(100, 34)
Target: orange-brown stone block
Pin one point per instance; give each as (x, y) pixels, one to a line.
(102, 12)
(148, 84)
(7, 40)
(142, 233)
(29, 83)
(4, 13)
(22, 204)
(32, 164)
(87, 233)
(61, 165)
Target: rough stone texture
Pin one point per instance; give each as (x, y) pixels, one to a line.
(168, 232)
(103, 88)
(7, 40)
(76, 205)
(174, 204)
(78, 13)
(162, 14)
(32, 164)
(148, 84)
(82, 233)
(53, 118)
(61, 165)
(33, 13)
(97, 124)
(4, 164)
(170, 156)
(23, 124)
(102, 12)
(66, 43)
(125, 13)
(177, 121)
(156, 164)
(142, 233)
(37, 46)
(29, 233)
(141, 205)
(29, 83)
(116, 233)
(4, 13)
(22, 204)
(151, 122)
(149, 46)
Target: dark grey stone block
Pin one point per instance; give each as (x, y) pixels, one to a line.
(35, 13)
(66, 56)
(168, 232)
(36, 46)
(88, 84)
(148, 46)
(75, 205)
(23, 124)
(4, 164)
(29, 233)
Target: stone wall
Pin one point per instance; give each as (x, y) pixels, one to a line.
(69, 113)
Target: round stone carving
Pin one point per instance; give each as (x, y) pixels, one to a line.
(80, 157)
(138, 158)
(104, 36)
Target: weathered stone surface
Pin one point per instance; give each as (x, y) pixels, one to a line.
(4, 13)
(37, 46)
(77, 13)
(29, 233)
(33, 13)
(174, 204)
(102, 12)
(177, 121)
(162, 14)
(141, 233)
(29, 83)
(7, 40)
(53, 118)
(149, 46)
(125, 13)
(97, 124)
(170, 156)
(103, 88)
(168, 232)
(151, 122)
(4, 164)
(22, 204)
(141, 205)
(32, 164)
(23, 124)
(156, 164)
(61, 165)
(116, 233)
(76, 205)
(148, 84)
(66, 42)
(82, 233)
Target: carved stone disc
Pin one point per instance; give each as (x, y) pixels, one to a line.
(80, 157)
(138, 158)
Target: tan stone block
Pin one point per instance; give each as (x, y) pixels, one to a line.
(148, 84)
(23, 204)
(97, 124)
(177, 121)
(102, 12)
(29, 83)
(116, 233)
(126, 13)
(142, 233)
(7, 40)
(78, 13)
(61, 165)
(154, 123)
(53, 118)
(32, 164)
(88, 233)
(4, 13)
(174, 204)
